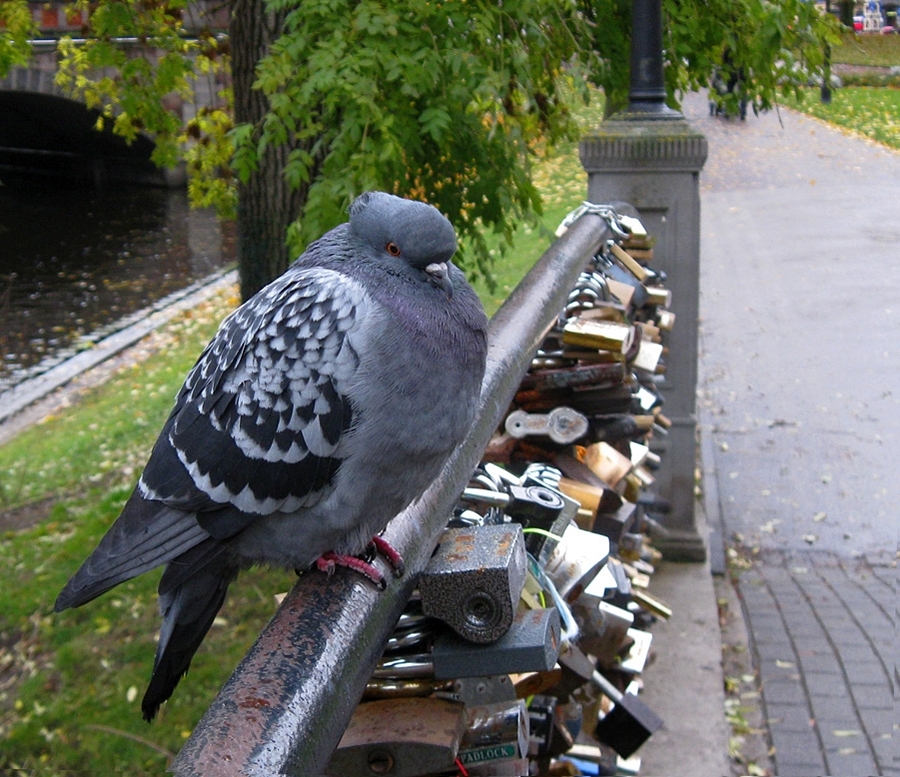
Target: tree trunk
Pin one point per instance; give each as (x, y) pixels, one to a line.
(266, 204)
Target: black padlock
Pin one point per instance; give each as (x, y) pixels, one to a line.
(531, 645)
(615, 524)
(628, 724)
(541, 714)
(474, 580)
(536, 507)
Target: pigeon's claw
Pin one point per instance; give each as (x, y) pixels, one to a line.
(390, 553)
(327, 563)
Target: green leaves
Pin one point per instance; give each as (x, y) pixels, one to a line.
(16, 28)
(446, 101)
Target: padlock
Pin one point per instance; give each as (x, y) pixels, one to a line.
(414, 675)
(478, 691)
(602, 401)
(607, 462)
(400, 738)
(531, 645)
(574, 561)
(637, 234)
(605, 633)
(603, 760)
(648, 357)
(533, 506)
(496, 735)
(620, 593)
(541, 720)
(593, 375)
(528, 684)
(651, 603)
(563, 425)
(601, 335)
(628, 724)
(615, 525)
(619, 426)
(474, 580)
(635, 659)
(615, 273)
(545, 514)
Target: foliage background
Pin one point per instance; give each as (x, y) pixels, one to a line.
(450, 100)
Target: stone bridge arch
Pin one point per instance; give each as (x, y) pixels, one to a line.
(45, 130)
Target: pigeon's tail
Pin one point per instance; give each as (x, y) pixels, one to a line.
(188, 610)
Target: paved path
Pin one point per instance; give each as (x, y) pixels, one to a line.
(800, 395)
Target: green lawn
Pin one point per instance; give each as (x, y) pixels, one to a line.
(873, 112)
(871, 49)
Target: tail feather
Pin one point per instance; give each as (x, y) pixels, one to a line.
(188, 611)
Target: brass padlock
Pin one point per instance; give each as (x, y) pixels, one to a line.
(400, 738)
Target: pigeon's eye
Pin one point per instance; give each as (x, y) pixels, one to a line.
(393, 249)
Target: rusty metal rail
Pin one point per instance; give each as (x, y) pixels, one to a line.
(286, 706)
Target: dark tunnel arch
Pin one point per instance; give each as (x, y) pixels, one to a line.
(46, 134)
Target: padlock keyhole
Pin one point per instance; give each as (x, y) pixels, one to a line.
(380, 762)
(481, 610)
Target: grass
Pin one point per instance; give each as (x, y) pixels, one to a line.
(874, 113)
(870, 50)
(71, 683)
(871, 106)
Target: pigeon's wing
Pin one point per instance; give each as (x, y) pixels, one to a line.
(260, 420)
(145, 536)
(257, 427)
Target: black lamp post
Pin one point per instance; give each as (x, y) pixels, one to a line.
(647, 93)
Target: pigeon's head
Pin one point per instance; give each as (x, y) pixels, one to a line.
(395, 231)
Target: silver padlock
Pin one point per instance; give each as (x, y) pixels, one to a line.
(496, 739)
(563, 425)
(474, 580)
(575, 561)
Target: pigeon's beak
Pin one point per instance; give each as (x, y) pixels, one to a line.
(439, 275)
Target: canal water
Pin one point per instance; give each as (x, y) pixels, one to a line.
(75, 259)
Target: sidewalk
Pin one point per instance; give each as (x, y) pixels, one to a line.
(799, 395)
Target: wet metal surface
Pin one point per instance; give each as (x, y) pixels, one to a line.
(74, 260)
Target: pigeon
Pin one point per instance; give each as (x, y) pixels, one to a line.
(323, 406)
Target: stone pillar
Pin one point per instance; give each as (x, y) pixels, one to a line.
(652, 160)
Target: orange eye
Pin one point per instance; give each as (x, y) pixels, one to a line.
(393, 249)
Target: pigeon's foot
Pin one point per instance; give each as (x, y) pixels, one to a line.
(327, 563)
(390, 553)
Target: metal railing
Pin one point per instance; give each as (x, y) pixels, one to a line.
(286, 706)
